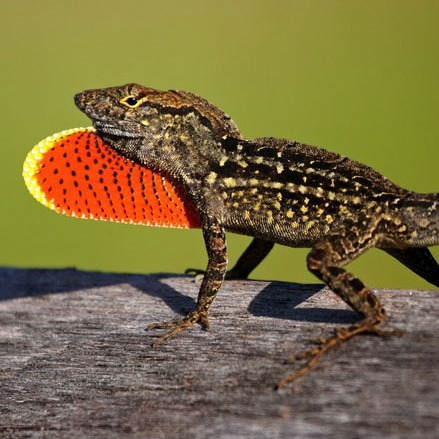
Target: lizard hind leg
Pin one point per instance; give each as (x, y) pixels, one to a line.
(419, 260)
(325, 261)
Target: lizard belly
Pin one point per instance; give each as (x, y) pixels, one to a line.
(277, 227)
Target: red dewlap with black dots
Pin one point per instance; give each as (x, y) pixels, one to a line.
(77, 174)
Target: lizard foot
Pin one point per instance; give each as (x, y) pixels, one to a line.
(341, 334)
(196, 316)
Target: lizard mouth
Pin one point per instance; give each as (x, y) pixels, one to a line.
(114, 130)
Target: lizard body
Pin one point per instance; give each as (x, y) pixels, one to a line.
(274, 190)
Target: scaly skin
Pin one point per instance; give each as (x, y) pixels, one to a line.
(274, 190)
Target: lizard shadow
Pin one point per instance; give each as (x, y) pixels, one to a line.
(279, 300)
(18, 283)
(282, 300)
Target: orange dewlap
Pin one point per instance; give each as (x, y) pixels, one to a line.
(75, 173)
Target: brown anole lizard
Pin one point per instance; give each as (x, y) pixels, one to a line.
(275, 190)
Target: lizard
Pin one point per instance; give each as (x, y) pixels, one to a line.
(275, 190)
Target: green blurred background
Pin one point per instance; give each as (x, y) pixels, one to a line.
(356, 77)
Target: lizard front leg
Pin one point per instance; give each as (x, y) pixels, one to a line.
(253, 255)
(215, 241)
(325, 261)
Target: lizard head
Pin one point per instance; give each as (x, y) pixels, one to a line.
(135, 111)
(172, 131)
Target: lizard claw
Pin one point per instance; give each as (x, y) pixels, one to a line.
(196, 316)
(341, 334)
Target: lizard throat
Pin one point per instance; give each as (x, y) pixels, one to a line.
(108, 128)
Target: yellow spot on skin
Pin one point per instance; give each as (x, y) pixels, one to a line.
(304, 209)
(269, 217)
(242, 163)
(211, 177)
(402, 229)
(343, 210)
(276, 204)
(309, 224)
(329, 219)
(145, 122)
(230, 182)
(279, 168)
(290, 214)
(303, 189)
(223, 160)
(397, 221)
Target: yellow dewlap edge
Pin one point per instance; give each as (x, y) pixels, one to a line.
(31, 165)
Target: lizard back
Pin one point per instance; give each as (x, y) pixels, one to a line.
(297, 192)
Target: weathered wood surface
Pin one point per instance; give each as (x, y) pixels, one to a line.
(76, 362)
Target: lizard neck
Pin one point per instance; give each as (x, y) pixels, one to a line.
(180, 146)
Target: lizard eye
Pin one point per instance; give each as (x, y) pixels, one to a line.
(130, 101)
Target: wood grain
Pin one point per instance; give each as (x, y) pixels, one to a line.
(76, 361)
